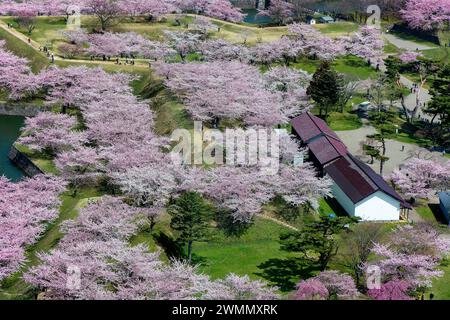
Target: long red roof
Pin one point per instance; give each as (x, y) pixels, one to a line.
(321, 140)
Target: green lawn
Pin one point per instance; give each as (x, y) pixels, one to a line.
(256, 253)
(389, 48)
(440, 54)
(343, 121)
(243, 255)
(43, 162)
(337, 29)
(441, 286)
(349, 65)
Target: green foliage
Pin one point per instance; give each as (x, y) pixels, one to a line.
(191, 216)
(393, 65)
(439, 106)
(325, 88)
(317, 239)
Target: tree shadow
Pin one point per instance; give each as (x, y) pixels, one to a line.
(170, 246)
(285, 273)
(356, 63)
(199, 260)
(438, 215)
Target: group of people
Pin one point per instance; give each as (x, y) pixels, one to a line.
(49, 54)
(127, 61)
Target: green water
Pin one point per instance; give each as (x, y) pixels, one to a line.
(9, 132)
(253, 17)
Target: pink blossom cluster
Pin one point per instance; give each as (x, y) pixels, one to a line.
(327, 285)
(410, 56)
(220, 9)
(96, 245)
(109, 44)
(242, 191)
(426, 14)
(409, 260)
(26, 207)
(392, 290)
(12, 68)
(52, 133)
(420, 178)
(207, 88)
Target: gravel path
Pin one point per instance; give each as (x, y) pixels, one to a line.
(354, 139)
(406, 44)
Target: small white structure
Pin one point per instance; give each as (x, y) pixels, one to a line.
(312, 21)
(364, 194)
(376, 207)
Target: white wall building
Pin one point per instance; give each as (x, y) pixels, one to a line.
(364, 194)
(357, 188)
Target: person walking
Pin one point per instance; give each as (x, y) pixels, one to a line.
(53, 58)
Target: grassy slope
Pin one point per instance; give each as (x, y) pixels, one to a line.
(37, 60)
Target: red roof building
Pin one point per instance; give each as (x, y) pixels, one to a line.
(357, 187)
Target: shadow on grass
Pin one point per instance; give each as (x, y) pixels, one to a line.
(438, 215)
(336, 207)
(170, 246)
(356, 63)
(285, 273)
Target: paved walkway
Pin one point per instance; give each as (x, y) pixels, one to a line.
(354, 140)
(422, 96)
(406, 44)
(140, 63)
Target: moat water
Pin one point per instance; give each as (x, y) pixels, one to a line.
(9, 132)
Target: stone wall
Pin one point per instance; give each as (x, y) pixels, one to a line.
(25, 110)
(23, 162)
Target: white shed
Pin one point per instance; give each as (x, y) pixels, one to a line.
(363, 193)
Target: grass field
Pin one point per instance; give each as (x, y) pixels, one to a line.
(344, 121)
(337, 29)
(352, 66)
(440, 54)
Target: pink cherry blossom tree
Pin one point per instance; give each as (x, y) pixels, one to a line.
(418, 269)
(106, 11)
(183, 43)
(51, 133)
(26, 207)
(280, 11)
(426, 14)
(213, 50)
(291, 85)
(314, 44)
(95, 244)
(339, 285)
(409, 56)
(419, 178)
(223, 90)
(392, 290)
(311, 289)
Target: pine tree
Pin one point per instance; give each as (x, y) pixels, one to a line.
(325, 88)
(191, 216)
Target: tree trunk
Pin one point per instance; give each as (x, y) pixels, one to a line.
(190, 251)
